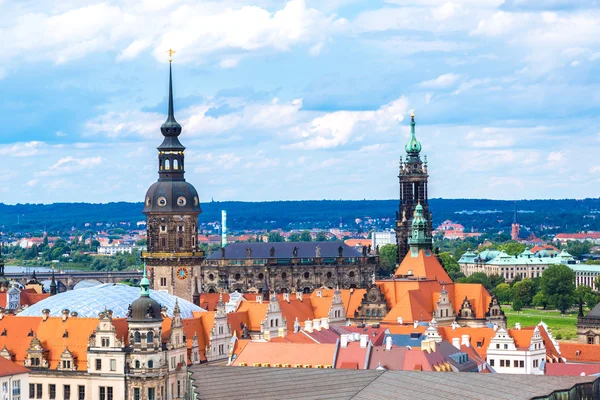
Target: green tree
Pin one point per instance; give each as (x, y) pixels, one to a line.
(387, 260)
(494, 280)
(577, 249)
(540, 300)
(587, 295)
(451, 265)
(513, 248)
(321, 237)
(305, 236)
(517, 305)
(294, 237)
(524, 291)
(275, 237)
(142, 242)
(558, 283)
(504, 293)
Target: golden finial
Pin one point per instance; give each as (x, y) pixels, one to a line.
(171, 52)
(412, 113)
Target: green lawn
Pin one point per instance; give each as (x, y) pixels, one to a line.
(562, 326)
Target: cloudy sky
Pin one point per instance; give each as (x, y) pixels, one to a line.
(304, 99)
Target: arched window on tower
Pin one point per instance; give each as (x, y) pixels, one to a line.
(167, 165)
(150, 364)
(150, 337)
(137, 363)
(138, 337)
(175, 165)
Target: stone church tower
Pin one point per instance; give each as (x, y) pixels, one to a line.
(413, 190)
(172, 208)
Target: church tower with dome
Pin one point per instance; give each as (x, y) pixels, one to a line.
(413, 191)
(172, 207)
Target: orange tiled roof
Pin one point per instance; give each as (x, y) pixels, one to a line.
(351, 299)
(580, 352)
(479, 338)
(358, 242)
(257, 312)
(312, 354)
(424, 265)
(235, 321)
(295, 308)
(352, 357)
(8, 368)
(321, 305)
(522, 337)
(28, 297)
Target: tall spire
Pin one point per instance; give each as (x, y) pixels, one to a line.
(145, 284)
(413, 147)
(53, 290)
(171, 128)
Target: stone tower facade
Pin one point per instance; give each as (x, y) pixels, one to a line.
(172, 208)
(413, 179)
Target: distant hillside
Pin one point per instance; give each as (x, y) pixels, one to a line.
(566, 215)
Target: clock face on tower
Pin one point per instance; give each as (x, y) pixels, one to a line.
(182, 273)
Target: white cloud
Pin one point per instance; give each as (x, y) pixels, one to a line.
(441, 82)
(195, 30)
(337, 128)
(27, 149)
(71, 164)
(556, 157)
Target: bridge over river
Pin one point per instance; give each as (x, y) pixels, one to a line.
(68, 280)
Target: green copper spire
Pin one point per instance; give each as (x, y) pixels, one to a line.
(145, 284)
(413, 147)
(419, 239)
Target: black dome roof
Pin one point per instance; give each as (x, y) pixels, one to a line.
(172, 196)
(145, 309)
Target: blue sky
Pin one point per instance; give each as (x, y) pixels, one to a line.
(302, 99)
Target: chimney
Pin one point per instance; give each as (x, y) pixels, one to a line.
(415, 324)
(109, 313)
(281, 332)
(400, 320)
(74, 313)
(324, 323)
(465, 340)
(65, 314)
(355, 336)
(45, 314)
(363, 341)
(317, 324)
(267, 335)
(456, 342)
(286, 297)
(344, 340)
(299, 296)
(518, 325)
(308, 326)
(388, 343)
(1, 313)
(259, 299)
(319, 293)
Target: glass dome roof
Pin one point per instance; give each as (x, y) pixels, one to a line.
(89, 302)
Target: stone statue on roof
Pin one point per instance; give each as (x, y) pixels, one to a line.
(272, 252)
(318, 252)
(248, 252)
(340, 251)
(377, 250)
(364, 250)
(222, 252)
(295, 252)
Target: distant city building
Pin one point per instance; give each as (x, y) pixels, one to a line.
(526, 264)
(172, 207)
(111, 250)
(413, 190)
(452, 231)
(382, 238)
(578, 237)
(515, 227)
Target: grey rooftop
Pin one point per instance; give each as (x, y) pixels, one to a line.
(292, 383)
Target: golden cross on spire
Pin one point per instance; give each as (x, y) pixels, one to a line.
(171, 52)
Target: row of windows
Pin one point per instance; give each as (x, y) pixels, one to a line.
(137, 392)
(113, 364)
(36, 392)
(515, 363)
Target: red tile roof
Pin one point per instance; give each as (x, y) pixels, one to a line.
(562, 369)
(271, 353)
(8, 368)
(580, 352)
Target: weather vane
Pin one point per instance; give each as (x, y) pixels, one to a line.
(171, 52)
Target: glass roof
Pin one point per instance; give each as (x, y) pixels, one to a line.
(89, 302)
